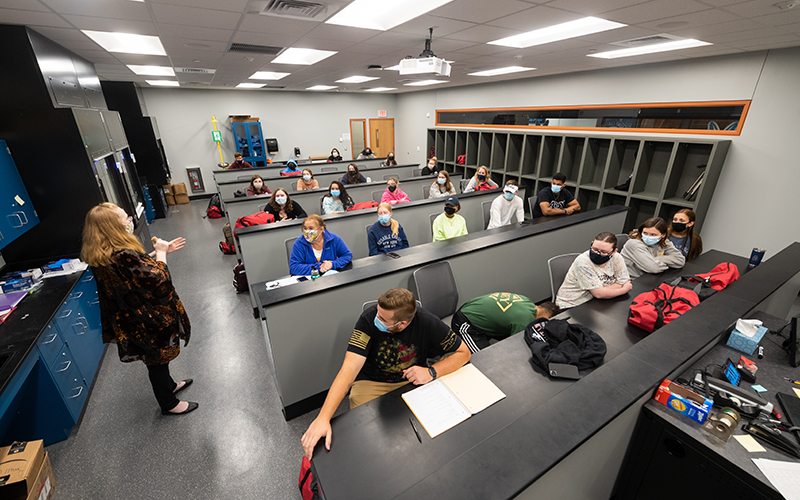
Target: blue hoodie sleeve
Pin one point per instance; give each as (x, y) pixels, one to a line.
(372, 241)
(299, 262)
(403, 239)
(341, 254)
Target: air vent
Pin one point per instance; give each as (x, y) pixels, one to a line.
(295, 9)
(647, 40)
(254, 49)
(196, 71)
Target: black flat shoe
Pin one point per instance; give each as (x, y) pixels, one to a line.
(186, 383)
(192, 407)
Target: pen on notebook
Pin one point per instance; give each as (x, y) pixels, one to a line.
(415, 429)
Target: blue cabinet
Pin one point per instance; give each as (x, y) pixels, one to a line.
(249, 141)
(16, 210)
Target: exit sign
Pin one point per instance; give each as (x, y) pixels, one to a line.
(216, 135)
(382, 113)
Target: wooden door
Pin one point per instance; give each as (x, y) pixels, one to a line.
(381, 136)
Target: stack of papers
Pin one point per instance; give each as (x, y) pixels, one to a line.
(446, 402)
(9, 302)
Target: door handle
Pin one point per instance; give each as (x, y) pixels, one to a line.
(69, 362)
(377, 139)
(18, 218)
(23, 215)
(79, 392)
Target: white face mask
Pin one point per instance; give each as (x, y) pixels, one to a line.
(258, 185)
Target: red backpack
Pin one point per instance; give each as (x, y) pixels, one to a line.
(287, 174)
(309, 487)
(362, 205)
(654, 309)
(255, 219)
(721, 276)
(484, 186)
(214, 213)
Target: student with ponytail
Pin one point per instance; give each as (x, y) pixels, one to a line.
(387, 234)
(681, 233)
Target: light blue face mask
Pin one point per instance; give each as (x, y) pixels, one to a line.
(335, 193)
(650, 240)
(556, 189)
(380, 326)
(508, 196)
(306, 177)
(384, 219)
(280, 200)
(441, 181)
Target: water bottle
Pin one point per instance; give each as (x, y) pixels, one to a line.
(314, 274)
(755, 257)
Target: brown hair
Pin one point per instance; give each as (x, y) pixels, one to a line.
(309, 172)
(547, 310)
(274, 204)
(607, 237)
(354, 177)
(104, 234)
(393, 223)
(695, 242)
(401, 301)
(315, 218)
(658, 224)
(237, 154)
(263, 185)
(448, 186)
(511, 182)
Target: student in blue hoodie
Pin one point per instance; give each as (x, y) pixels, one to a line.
(291, 168)
(387, 234)
(318, 249)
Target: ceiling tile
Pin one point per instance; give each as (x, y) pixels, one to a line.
(202, 18)
(777, 40)
(788, 17)
(594, 7)
(185, 31)
(744, 35)
(770, 46)
(231, 5)
(656, 9)
(703, 18)
(535, 18)
(308, 42)
(610, 36)
(119, 9)
(754, 8)
(483, 33)
(342, 33)
(31, 18)
(276, 25)
(721, 3)
(270, 39)
(195, 46)
(479, 12)
(399, 40)
(716, 29)
(486, 50)
(442, 27)
(141, 59)
(25, 5)
(106, 24)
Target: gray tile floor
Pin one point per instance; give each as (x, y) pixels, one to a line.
(236, 445)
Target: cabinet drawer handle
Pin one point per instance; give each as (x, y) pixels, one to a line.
(66, 314)
(18, 218)
(87, 279)
(69, 362)
(84, 327)
(1, 235)
(79, 393)
(52, 339)
(23, 215)
(80, 294)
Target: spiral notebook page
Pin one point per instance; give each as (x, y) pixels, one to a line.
(784, 476)
(436, 407)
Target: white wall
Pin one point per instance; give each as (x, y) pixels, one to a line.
(314, 122)
(755, 203)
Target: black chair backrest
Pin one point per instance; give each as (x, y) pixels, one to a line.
(417, 172)
(289, 242)
(376, 196)
(294, 186)
(532, 202)
(329, 169)
(437, 289)
(426, 192)
(388, 176)
(558, 267)
(464, 183)
(486, 208)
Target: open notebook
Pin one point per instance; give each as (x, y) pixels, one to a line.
(451, 399)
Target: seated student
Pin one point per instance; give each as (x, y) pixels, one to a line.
(389, 161)
(282, 207)
(497, 316)
(308, 181)
(480, 181)
(335, 156)
(649, 251)
(681, 234)
(505, 206)
(238, 162)
(432, 168)
(257, 187)
(291, 168)
(318, 249)
(556, 200)
(393, 193)
(598, 272)
(352, 176)
(366, 154)
(387, 234)
(449, 224)
(337, 201)
(389, 348)
(442, 187)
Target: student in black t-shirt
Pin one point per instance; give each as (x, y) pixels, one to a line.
(556, 200)
(388, 349)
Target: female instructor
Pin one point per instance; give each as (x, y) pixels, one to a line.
(139, 308)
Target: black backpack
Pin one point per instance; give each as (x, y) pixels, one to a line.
(558, 341)
(239, 194)
(239, 279)
(214, 207)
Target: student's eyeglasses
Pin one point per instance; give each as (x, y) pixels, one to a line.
(602, 254)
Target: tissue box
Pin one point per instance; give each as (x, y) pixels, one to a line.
(683, 401)
(744, 343)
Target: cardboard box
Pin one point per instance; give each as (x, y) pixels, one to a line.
(683, 401)
(45, 482)
(20, 464)
(243, 118)
(181, 199)
(170, 199)
(746, 344)
(179, 188)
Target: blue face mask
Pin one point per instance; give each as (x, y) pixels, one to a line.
(335, 193)
(556, 189)
(650, 240)
(306, 177)
(441, 181)
(384, 219)
(380, 326)
(481, 177)
(508, 196)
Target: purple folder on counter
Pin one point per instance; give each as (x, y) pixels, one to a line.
(8, 301)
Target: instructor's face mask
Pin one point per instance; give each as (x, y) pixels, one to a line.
(129, 226)
(650, 240)
(310, 235)
(280, 200)
(508, 196)
(306, 177)
(598, 259)
(384, 219)
(380, 326)
(556, 188)
(678, 227)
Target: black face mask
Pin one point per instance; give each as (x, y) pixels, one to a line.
(598, 259)
(449, 210)
(678, 227)
(392, 188)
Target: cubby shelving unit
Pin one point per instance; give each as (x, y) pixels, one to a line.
(661, 169)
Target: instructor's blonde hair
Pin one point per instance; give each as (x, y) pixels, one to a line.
(104, 234)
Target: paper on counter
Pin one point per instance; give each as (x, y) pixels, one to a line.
(784, 476)
(436, 407)
(473, 388)
(750, 444)
(796, 391)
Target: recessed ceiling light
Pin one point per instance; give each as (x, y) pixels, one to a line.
(322, 87)
(305, 57)
(651, 49)
(563, 31)
(152, 70)
(396, 67)
(425, 82)
(357, 79)
(379, 89)
(127, 43)
(163, 83)
(383, 14)
(501, 71)
(250, 85)
(268, 75)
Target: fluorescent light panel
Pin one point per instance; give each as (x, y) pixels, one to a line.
(357, 79)
(651, 49)
(379, 89)
(127, 43)
(501, 71)
(383, 14)
(151, 70)
(322, 87)
(268, 75)
(250, 85)
(163, 83)
(305, 57)
(422, 83)
(563, 31)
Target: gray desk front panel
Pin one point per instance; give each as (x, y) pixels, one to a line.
(274, 171)
(376, 174)
(308, 354)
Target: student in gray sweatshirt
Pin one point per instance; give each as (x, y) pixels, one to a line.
(649, 251)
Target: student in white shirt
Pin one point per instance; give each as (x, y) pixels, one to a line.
(506, 205)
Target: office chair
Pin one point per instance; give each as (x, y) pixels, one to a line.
(532, 202)
(262, 207)
(426, 191)
(361, 167)
(329, 169)
(558, 267)
(243, 177)
(289, 243)
(366, 228)
(321, 211)
(437, 289)
(387, 176)
(294, 186)
(417, 172)
(376, 196)
(486, 208)
(433, 217)
(621, 240)
(464, 183)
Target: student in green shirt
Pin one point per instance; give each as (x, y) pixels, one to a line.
(449, 224)
(497, 316)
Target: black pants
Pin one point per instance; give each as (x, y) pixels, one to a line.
(475, 338)
(163, 385)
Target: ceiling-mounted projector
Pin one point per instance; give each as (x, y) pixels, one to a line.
(426, 64)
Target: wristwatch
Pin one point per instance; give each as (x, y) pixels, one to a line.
(432, 371)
